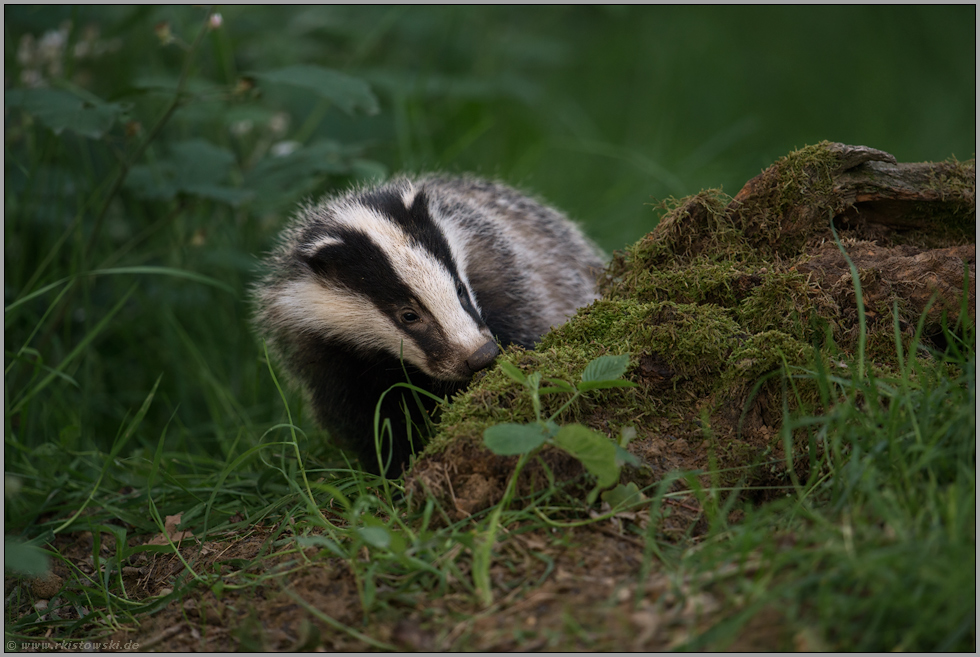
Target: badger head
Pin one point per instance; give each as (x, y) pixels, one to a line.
(376, 272)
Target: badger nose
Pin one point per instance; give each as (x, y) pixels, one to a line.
(482, 357)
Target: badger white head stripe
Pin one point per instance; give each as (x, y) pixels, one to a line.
(327, 240)
(408, 196)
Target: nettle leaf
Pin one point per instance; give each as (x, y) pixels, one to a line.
(199, 162)
(605, 368)
(348, 93)
(304, 163)
(196, 167)
(510, 439)
(58, 109)
(596, 452)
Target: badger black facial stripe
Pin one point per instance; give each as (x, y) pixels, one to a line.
(357, 263)
(415, 220)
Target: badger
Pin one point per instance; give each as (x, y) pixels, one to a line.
(419, 280)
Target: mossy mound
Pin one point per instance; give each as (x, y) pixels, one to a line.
(717, 302)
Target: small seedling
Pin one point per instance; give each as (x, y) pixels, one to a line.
(599, 456)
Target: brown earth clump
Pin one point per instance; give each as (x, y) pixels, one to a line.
(716, 303)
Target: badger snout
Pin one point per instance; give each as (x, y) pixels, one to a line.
(482, 357)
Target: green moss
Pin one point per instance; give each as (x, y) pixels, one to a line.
(761, 354)
(708, 304)
(792, 200)
(780, 301)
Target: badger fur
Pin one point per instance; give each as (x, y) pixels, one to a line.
(418, 276)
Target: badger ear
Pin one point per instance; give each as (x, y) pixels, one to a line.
(321, 255)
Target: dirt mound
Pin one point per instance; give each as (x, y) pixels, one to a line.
(716, 302)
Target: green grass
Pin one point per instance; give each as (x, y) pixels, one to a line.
(142, 184)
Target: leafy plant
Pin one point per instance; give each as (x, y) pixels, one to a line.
(597, 454)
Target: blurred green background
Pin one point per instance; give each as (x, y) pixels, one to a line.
(603, 111)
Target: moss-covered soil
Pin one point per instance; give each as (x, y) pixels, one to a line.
(719, 300)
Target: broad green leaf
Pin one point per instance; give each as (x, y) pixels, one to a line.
(60, 109)
(596, 452)
(606, 368)
(304, 163)
(375, 536)
(509, 439)
(347, 92)
(195, 167)
(152, 182)
(513, 372)
(24, 558)
(623, 495)
(199, 162)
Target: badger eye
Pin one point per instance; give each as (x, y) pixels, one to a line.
(460, 290)
(409, 317)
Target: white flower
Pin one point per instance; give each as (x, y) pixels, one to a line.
(284, 148)
(279, 123)
(241, 128)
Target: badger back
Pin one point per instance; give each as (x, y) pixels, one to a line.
(530, 267)
(372, 271)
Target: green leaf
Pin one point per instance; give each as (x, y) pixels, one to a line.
(585, 386)
(625, 458)
(58, 109)
(347, 92)
(304, 165)
(195, 167)
(623, 495)
(24, 558)
(596, 452)
(557, 385)
(606, 368)
(230, 195)
(375, 536)
(513, 372)
(509, 439)
(199, 162)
